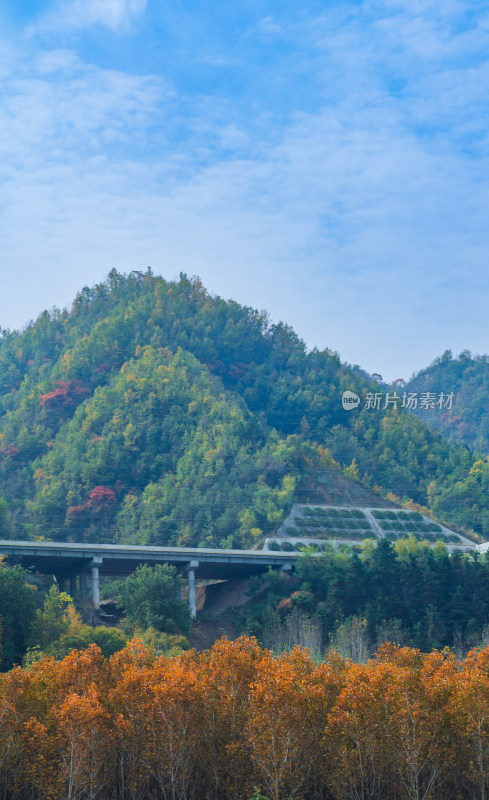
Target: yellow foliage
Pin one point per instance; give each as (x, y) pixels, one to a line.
(477, 468)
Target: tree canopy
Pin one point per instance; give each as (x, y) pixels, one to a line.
(151, 599)
(17, 610)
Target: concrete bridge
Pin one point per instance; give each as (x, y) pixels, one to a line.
(76, 562)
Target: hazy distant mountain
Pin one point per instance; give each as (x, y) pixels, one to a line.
(468, 378)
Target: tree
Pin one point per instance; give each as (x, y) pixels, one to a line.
(149, 598)
(17, 608)
(52, 622)
(79, 636)
(84, 738)
(471, 704)
(287, 717)
(350, 640)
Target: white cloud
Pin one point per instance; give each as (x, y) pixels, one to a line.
(70, 15)
(47, 62)
(59, 109)
(234, 139)
(348, 234)
(268, 29)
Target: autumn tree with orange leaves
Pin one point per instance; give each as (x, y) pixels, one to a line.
(236, 722)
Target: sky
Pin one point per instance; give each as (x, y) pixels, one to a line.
(327, 162)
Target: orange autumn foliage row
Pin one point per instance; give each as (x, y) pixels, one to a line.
(235, 722)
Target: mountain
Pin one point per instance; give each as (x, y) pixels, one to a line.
(151, 412)
(467, 376)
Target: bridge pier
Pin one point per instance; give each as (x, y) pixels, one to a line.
(96, 563)
(83, 584)
(192, 601)
(73, 592)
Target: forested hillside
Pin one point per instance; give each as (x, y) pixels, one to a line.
(152, 412)
(467, 377)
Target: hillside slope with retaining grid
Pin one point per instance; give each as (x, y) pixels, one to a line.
(326, 526)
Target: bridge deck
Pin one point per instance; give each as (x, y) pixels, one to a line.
(76, 560)
(117, 559)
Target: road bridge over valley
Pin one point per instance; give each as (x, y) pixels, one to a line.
(81, 564)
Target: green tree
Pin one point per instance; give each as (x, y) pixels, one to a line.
(149, 598)
(52, 622)
(78, 636)
(17, 609)
(168, 644)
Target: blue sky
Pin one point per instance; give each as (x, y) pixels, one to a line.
(325, 161)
